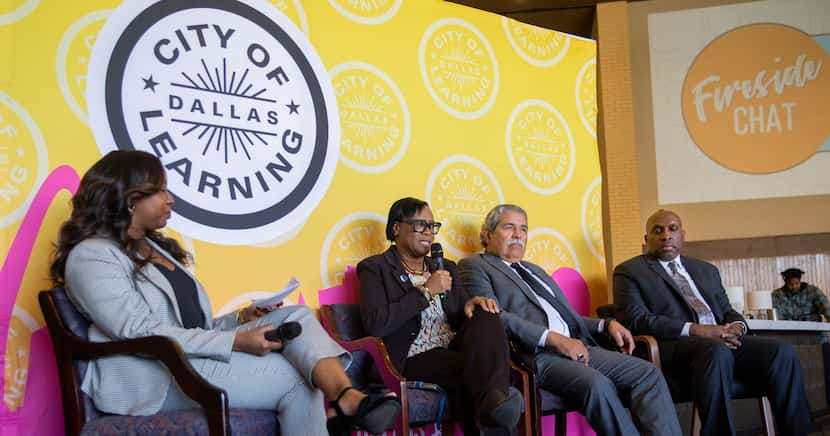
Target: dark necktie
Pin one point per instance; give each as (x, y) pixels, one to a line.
(704, 315)
(559, 306)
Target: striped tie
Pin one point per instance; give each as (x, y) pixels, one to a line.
(704, 315)
(541, 292)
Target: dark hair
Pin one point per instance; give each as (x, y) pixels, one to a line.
(491, 221)
(403, 208)
(792, 273)
(101, 207)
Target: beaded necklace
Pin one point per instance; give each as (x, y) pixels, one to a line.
(413, 271)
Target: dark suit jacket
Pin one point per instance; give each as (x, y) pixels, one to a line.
(650, 303)
(391, 306)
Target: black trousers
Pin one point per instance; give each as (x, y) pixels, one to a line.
(710, 368)
(476, 361)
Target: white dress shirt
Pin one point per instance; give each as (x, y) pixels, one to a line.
(682, 271)
(556, 323)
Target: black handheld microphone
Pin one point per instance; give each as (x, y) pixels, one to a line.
(437, 255)
(285, 331)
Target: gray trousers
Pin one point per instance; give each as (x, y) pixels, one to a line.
(595, 391)
(276, 381)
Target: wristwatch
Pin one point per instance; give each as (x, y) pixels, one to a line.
(607, 322)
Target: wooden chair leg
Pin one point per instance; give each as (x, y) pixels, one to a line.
(767, 420)
(402, 428)
(560, 426)
(525, 425)
(696, 426)
(766, 416)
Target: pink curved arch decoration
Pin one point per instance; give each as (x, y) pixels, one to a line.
(575, 289)
(41, 411)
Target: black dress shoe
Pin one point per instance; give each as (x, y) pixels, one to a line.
(500, 410)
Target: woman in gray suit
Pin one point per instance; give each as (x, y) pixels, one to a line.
(131, 281)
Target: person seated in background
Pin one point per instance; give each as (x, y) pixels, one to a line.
(131, 281)
(559, 343)
(799, 300)
(681, 301)
(433, 330)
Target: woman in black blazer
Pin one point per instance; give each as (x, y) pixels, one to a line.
(433, 330)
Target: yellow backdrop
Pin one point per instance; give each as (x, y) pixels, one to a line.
(462, 108)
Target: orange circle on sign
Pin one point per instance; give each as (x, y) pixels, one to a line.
(754, 98)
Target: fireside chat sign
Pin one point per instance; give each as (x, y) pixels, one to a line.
(754, 99)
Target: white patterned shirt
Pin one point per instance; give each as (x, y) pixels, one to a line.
(435, 329)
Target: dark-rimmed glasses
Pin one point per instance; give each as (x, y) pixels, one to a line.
(420, 226)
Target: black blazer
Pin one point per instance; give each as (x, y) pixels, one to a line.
(391, 306)
(650, 303)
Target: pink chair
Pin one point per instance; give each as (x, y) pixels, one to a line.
(576, 290)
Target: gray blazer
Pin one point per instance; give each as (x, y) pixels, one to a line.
(100, 282)
(521, 313)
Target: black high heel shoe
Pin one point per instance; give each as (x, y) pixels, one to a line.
(376, 413)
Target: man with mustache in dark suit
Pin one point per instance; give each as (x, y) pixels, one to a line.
(560, 344)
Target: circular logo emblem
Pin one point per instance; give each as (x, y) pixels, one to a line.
(538, 46)
(74, 51)
(586, 96)
(21, 327)
(367, 11)
(753, 99)
(550, 249)
(293, 10)
(540, 147)
(373, 115)
(351, 239)
(22, 160)
(460, 191)
(459, 68)
(14, 10)
(233, 99)
(592, 218)
(281, 239)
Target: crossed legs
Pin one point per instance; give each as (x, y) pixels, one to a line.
(475, 363)
(286, 382)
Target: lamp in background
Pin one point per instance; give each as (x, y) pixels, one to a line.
(736, 297)
(760, 302)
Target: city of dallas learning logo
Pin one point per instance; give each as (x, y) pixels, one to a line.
(232, 98)
(461, 190)
(754, 98)
(459, 68)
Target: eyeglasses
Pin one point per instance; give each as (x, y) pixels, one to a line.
(420, 226)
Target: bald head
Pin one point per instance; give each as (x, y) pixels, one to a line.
(659, 214)
(664, 235)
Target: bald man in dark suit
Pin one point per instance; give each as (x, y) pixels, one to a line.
(681, 301)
